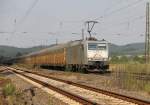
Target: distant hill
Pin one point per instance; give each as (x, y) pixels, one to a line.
(129, 49)
(8, 51)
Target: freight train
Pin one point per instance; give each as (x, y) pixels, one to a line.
(79, 55)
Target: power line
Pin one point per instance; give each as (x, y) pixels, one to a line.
(129, 21)
(121, 23)
(117, 10)
(26, 14)
(109, 8)
(120, 9)
(24, 17)
(147, 36)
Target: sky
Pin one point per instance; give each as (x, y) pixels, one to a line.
(27, 23)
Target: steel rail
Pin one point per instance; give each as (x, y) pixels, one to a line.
(2, 70)
(72, 96)
(109, 93)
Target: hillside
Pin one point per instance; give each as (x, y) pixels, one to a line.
(8, 51)
(129, 49)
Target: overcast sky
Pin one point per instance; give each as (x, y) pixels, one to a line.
(26, 23)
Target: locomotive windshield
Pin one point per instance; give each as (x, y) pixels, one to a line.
(96, 46)
(92, 46)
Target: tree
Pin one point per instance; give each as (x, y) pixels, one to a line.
(1, 59)
(114, 59)
(138, 59)
(124, 59)
(18, 54)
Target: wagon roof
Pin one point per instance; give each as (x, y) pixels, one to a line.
(59, 46)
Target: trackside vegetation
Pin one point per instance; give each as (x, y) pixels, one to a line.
(131, 73)
(127, 59)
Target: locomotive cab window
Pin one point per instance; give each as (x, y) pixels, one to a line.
(96, 46)
(101, 46)
(92, 46)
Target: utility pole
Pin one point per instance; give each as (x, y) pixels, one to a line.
(56, 41)
(147, 35)
(82, 34)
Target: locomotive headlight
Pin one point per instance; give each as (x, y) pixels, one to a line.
(89, 58)
(105, 59)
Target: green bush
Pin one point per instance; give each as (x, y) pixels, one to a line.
(147, 87)
(127, 60)
(9, 89)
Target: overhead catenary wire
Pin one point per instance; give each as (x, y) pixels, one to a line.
(33, 5)
(128, 22)
(118, 10)
(118, 2)
(17, 24)
(35, 2)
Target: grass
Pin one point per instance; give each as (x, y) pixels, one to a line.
(23, 65)
(147, 87)
(9, 89)
(131, 68)
(127, 78)
(2, 78)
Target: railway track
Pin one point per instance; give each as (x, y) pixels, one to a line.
(125, 99)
